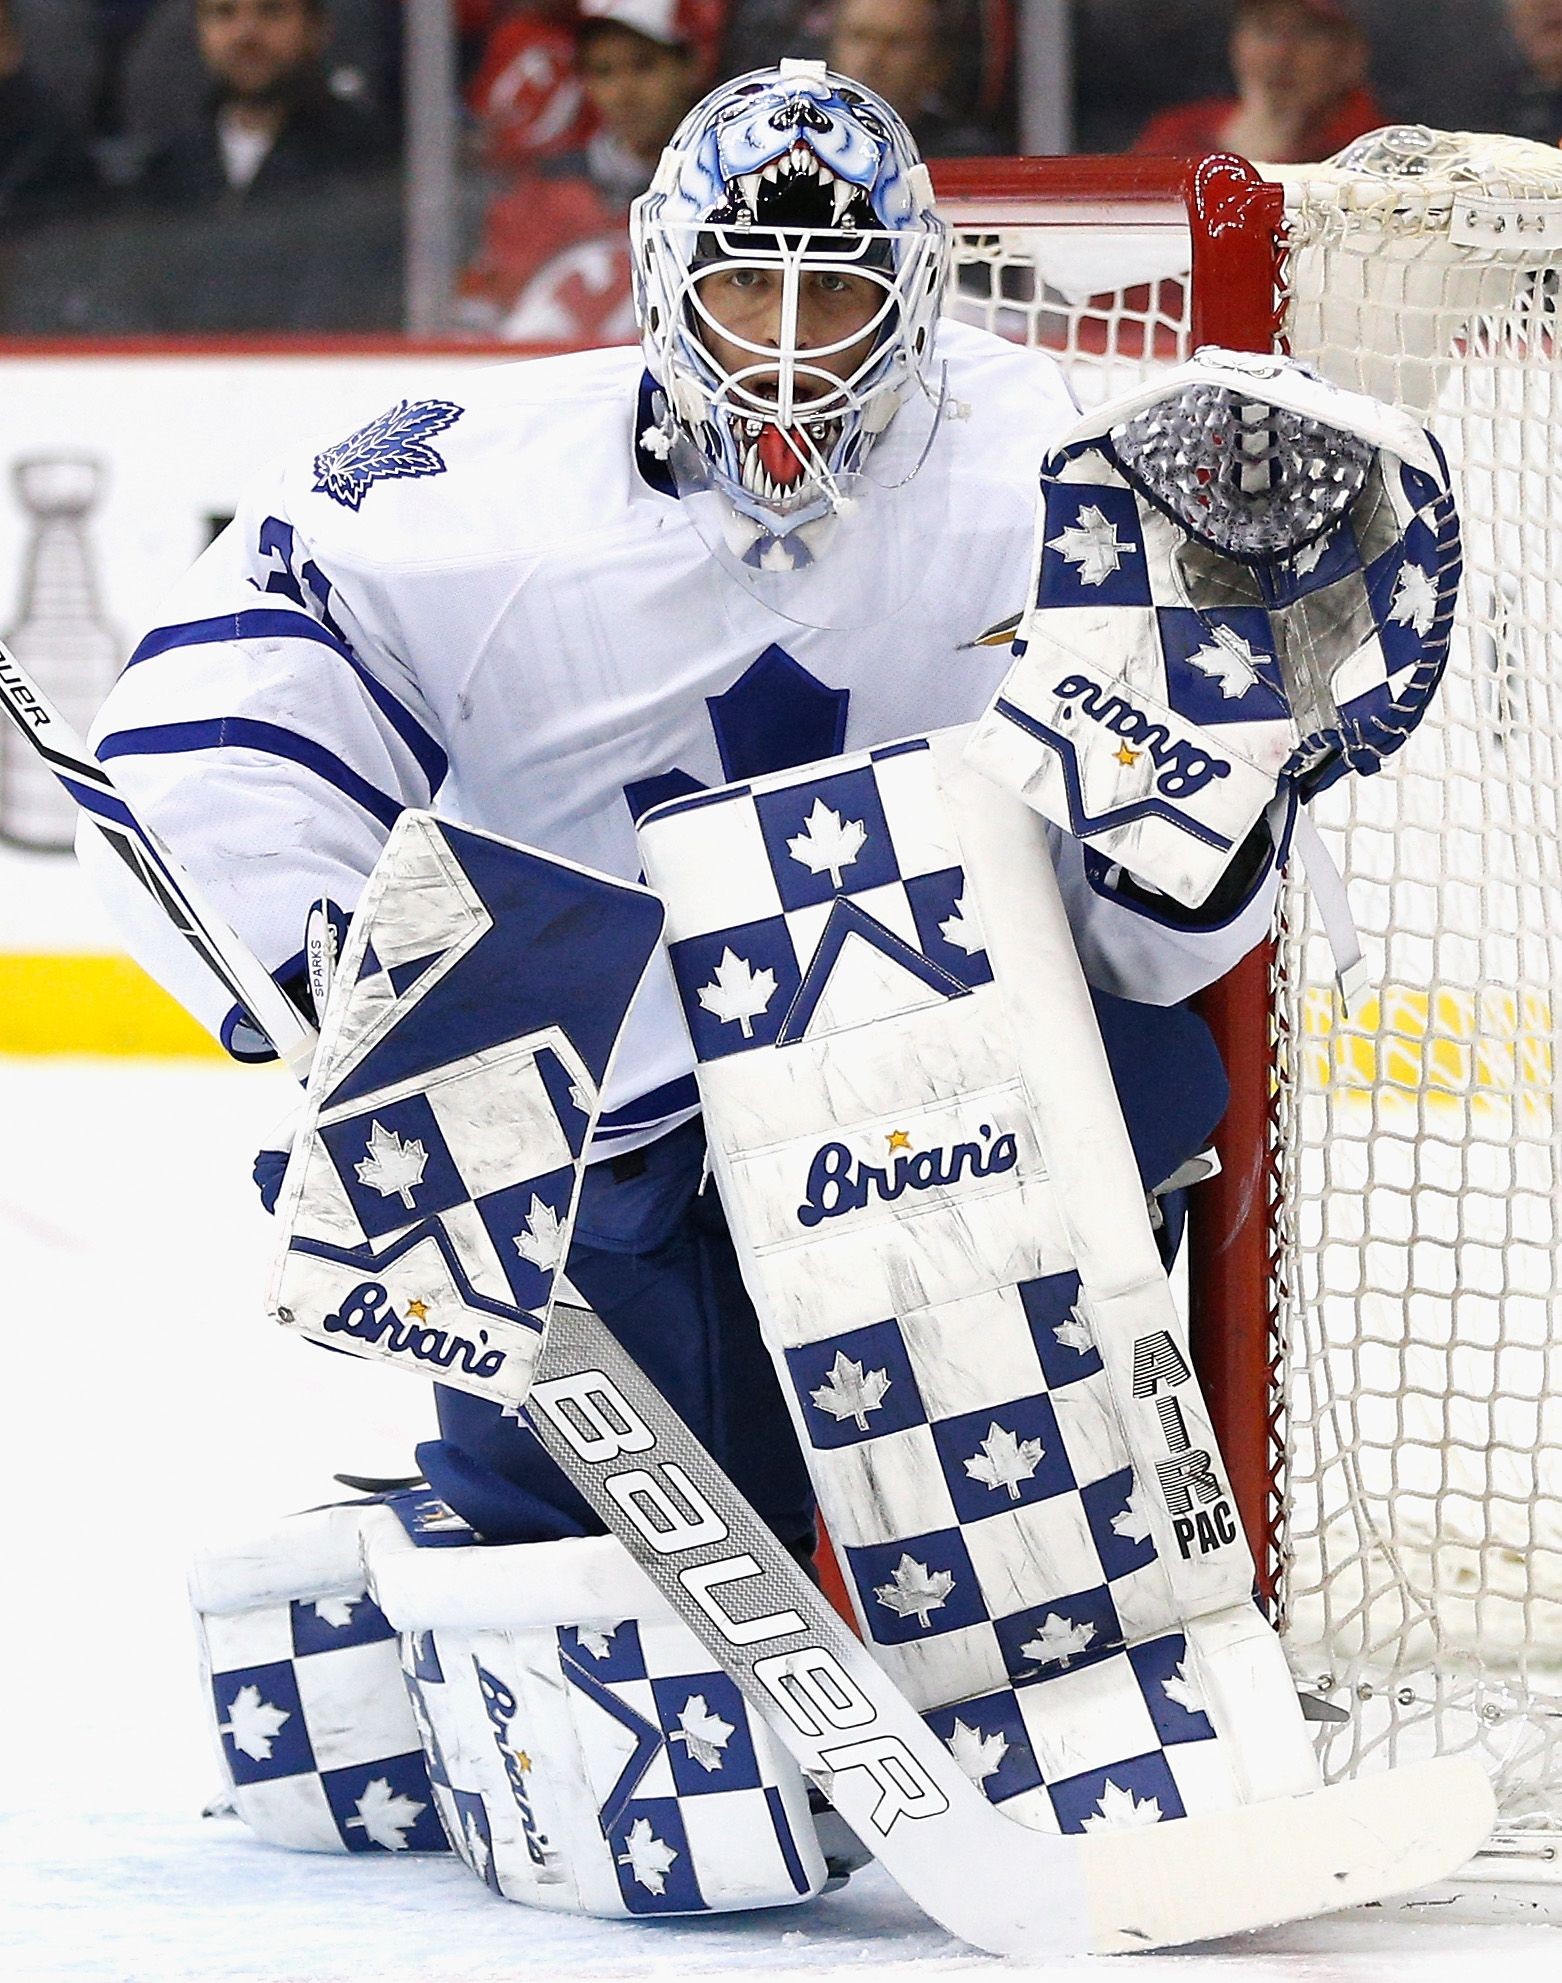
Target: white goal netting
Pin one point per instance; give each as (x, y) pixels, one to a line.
(1420, 1241)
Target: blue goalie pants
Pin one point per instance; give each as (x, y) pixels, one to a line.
(653, 1257)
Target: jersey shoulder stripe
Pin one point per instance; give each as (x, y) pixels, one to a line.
(281, 623)
(244, 733)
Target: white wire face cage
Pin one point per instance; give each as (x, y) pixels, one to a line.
(792, 174)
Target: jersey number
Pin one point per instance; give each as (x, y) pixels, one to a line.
(277, 542)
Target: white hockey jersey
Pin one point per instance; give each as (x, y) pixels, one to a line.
(494, 602)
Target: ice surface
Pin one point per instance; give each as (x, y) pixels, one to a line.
(147, 1407)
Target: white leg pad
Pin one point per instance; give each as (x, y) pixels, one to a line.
(314, 1732)
(917, 1140)
(585, 1751)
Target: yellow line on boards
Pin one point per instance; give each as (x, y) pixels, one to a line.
(84, 1004)
(1441, 1043)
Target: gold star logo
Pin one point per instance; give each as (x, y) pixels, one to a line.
(899, 1140)
(523, 1762)
(1126, 757)
(417, 1310)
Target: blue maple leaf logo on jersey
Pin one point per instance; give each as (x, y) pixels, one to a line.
(394, 445)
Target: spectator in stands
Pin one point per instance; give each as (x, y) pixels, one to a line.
(554, 262)
(901, 49)
(271, 123)
(525, 89)
(274, 205)
(45, 167)
(163, 70)
(1300, 69)
(975, 40)
(1532, 96)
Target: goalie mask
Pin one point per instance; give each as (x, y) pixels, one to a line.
(789, 270)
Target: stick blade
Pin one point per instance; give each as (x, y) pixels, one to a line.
(1285, 1859)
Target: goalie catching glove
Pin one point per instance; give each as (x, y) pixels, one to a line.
(1243, 587)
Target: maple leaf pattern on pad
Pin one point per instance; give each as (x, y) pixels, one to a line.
(914, 1592)
(1074, 1333)
(597, 1640)
(703, 1733)
(1308, 559)
(1059, 1640)
(337, 1612)
(1093, 545)
(392, 1168)
(827, 843)
(848, 1392)
(541, 1239)
(390, 448)
(1415, 599)
(977, 1754)
(1119, 1810)
(648, 1858)
(420, 1716)
(1229, 662)
(1132, 1522)
(1181, 1688)
(1004, 1461)
(253, 1724)
(385, 1815)
(738, 992)
(961, 931)
(476, 1854)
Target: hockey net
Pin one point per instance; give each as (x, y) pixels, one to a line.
(1376, 1279)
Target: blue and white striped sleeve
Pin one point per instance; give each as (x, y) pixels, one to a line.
(267, 729)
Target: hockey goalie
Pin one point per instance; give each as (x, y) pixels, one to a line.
(754, 1077)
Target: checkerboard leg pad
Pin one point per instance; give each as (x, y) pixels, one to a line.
(917, 1140)
(585, 1752)
(314, 1732)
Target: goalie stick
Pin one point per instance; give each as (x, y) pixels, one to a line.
(215, 947)
(994, 1883)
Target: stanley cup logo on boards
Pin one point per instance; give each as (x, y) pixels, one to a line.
(60, 634)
